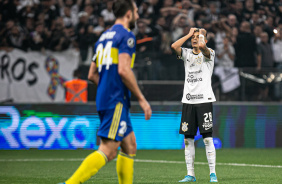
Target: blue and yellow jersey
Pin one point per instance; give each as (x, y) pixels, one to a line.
(111, 89)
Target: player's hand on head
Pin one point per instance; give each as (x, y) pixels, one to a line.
(191, 32)
(203, 32)
(146, 108)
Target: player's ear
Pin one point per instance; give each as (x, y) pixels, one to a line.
(129, 14)
(206, 41)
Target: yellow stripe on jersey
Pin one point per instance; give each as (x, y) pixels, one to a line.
(114, 56)
(132, 60)
(115, 121)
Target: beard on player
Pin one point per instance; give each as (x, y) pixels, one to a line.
(132, 22)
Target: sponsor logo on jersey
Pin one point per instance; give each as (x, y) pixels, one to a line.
(184, 126)
(191, 77)
(195, 72)
(193, 97)
(194, 80)
(207, 125)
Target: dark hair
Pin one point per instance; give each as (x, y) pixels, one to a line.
(76, 73)
(120, 7)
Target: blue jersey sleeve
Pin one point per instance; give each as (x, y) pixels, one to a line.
(128, 44)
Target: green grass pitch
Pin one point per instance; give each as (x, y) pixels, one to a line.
(54, 166)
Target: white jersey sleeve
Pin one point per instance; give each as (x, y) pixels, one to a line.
(184, 53)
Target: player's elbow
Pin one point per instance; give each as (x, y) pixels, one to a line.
(90, 77)
(122, 71)
(173, 46)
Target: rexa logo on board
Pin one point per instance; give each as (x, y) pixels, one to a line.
(18, 132)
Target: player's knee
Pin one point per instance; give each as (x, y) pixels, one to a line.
(111, 154)
(208, 141)
(134, 147)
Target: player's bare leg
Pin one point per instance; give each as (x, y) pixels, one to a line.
(95, 161)
(125, 159)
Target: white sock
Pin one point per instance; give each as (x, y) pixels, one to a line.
(190, 156)
(210, 152)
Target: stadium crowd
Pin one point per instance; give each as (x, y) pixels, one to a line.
(244, 33)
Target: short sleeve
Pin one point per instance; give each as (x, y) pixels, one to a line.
(128, 44)
(212, 55)
(184, 52)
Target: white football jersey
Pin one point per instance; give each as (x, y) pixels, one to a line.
(198, 73)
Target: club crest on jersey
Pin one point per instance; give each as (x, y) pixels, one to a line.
(184, 126)
(130, 42)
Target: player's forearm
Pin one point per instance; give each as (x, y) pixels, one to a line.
(94, 78)
(176, 46)
(130, 82)
(205, 51)
(93, 74)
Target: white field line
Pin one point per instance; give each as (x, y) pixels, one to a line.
(137, 160)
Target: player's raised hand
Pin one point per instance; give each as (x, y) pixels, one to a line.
(191, 32)
(203, 32)
(146, 108)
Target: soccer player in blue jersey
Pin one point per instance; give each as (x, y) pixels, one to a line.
(111, 70)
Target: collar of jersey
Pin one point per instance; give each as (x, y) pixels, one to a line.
(122, 27)
(195, 53)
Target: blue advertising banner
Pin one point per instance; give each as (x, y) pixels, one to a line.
(69, 126)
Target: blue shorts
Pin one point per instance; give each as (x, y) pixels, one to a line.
(115, 123)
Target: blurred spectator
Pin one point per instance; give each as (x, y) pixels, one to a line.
(8, 10)
(49, 12)
(83, 21)
(269, 26)
(69, 19)
(225, 53)
(265, 56)
(100, 27)
(86, 38)
(144, 50)
(255, 19)
(17, 38)
(177, 26)
(239, 10)
(276, 43)
(27, 11)
(92, 18)
(71, 8)
(245, 47)
(221, 31)
(212, 12)
(146, 12)
(59, 40)
(234, 34)
(232, 21)
(249, 9)
(108, 12)
(38, 38)
(265, 60)
(257, 32)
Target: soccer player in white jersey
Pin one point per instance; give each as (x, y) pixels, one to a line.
(197, 99)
